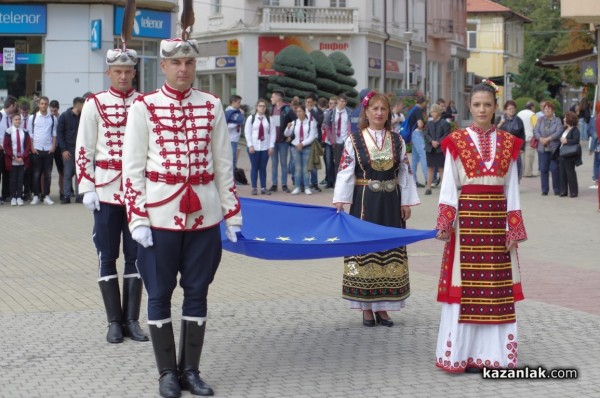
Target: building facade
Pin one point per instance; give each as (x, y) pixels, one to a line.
(59, 49)
(385, 40)
(495, 38)
(447, 53)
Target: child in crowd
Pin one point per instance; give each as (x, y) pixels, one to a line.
(17, 145)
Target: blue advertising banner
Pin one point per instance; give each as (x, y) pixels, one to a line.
(225, 62)
(152, 24)
(96, 34)
(18, 19)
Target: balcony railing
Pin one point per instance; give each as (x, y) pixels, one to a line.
(442, 28)
(309, 19)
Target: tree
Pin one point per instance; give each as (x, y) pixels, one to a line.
(344, 78)
(297, 73)
(327, 86)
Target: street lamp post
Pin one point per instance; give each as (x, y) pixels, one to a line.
(505, 77)
(407, 36)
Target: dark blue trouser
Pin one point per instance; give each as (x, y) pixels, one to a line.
(109, 223)
(193, 254)
(547, 167)
(258, 167)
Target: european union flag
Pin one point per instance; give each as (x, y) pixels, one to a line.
(290, 231)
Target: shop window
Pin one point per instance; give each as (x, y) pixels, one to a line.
(26, 79)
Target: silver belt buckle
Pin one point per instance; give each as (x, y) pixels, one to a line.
(375, 185)
(389, 185)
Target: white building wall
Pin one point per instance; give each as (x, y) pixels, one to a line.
(71, 68)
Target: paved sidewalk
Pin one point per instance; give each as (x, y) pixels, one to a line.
(280, 329)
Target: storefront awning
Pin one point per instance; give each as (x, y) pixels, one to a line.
(555, 61)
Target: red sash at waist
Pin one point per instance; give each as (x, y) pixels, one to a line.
(172, 179)
(109, 164)
(482, 189)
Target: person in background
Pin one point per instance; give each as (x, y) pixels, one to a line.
(24, 110)
(547, 131)
(375, 180)
(338, 128)
(511, 123)
(452, 110)
(584, 116)
(66, 132)
(235, 120)
(54, 108)
(10, 107)
(260, 133)
(282, 114)
(304, 131)
(417, 124)
(17, 146)
(568, 175)
(328, 146)
(42, 125)
(480, 281)
(314, 113)
(397, 115)
(436, 130)
(527, 116)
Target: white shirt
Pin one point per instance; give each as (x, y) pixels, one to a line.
(309, 131)
(42, 134)
(251, 132)
(526, 116)
(5, 123)
(344, 126)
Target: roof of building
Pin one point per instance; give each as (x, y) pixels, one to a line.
(488, 6)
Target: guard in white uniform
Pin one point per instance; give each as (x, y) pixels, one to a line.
(99, 150)
(178, 180)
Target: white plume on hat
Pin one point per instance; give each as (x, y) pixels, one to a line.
(184, 47)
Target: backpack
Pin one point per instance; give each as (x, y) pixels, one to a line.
(406, 130)
(233, 116)
(240, 176)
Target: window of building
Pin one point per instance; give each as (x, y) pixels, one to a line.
(216, 6)
(271, 3)
(471, 36)
(305, 3)
(337, 3)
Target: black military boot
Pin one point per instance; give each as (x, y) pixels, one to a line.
(112, 304)
(132, 298)
(163, 343)
(190, 350)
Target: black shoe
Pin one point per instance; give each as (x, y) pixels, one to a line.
(324, 182)
(330, 186)
(191, 381)
(112, 304)
(419, 185)
(573, 195)
(544, 193)
(62, 197)
(315, 188)
(285, 189)
(383, 322)
(473, 370)
(65, 201)
(273, 188)
(265, 192)
(132, 298)
(168, 384)
(436, 183)
(428, 192)
(562, 195)
(556, 193)
(368, 322)
(79, 199)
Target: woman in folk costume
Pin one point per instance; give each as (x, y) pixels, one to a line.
(375, 179)
(479, 282)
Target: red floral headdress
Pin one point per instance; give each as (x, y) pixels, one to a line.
(367, 98)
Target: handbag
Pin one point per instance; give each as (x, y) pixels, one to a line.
(569, 151)
(534, 143)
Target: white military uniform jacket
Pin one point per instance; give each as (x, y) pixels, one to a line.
(177, 163)
(99, 148)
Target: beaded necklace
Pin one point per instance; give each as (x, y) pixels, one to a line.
(485, 141)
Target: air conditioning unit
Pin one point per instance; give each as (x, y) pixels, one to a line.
(470, 81)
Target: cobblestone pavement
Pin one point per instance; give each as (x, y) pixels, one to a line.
(280, 328)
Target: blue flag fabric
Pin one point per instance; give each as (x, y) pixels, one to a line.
(290, 231)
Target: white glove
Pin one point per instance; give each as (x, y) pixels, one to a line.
(91, 201)
(142, 235)
(230, 232)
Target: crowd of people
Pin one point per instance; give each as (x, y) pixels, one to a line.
(32, 143)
